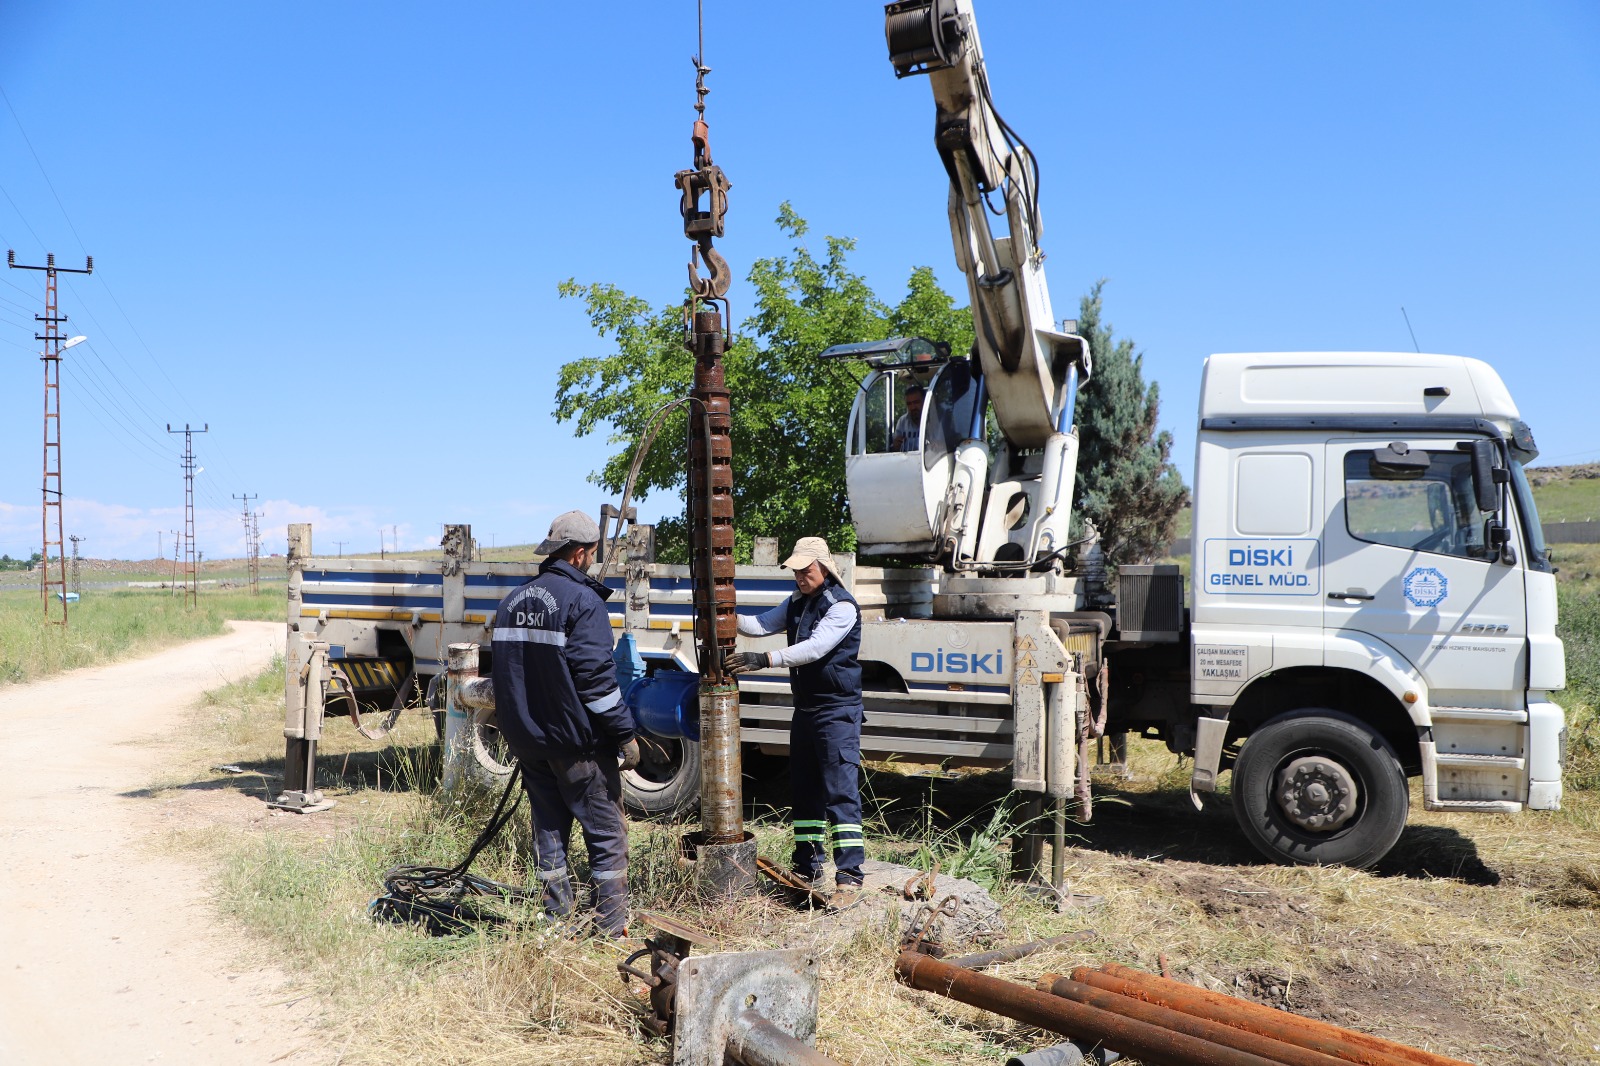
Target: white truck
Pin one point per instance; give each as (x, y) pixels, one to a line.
(1371, 597)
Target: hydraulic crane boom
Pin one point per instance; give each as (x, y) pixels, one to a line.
(1027, 363)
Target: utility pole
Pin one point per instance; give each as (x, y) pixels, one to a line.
(191, 593)
(77, 575)
(394, 537)
(176, 547)
(341, 544)
(250, 549)
(255, 553)
(381, 543)
(51, 489)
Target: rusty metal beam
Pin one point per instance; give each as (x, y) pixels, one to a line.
(1149, 1043)
(1218, 1031)
(1291, 1028)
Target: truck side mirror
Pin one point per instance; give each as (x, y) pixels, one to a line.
(1399, 462)
(1483, 477)
(1497, 540)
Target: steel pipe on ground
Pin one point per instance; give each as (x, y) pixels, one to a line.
(757, 1042)
(1218, 1032)
(1012, 952)
(1149, 1043)
(1291, 1028)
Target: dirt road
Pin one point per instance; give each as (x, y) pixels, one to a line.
(108, 949)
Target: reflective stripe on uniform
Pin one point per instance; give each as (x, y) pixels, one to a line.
(532, 636)
(604, 703)
(552, 875)
(608, 875)
(845, 835)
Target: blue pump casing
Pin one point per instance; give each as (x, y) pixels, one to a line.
(667, 703)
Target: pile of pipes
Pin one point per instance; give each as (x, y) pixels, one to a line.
(1160, 1021)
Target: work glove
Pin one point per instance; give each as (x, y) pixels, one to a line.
(740, 661)
(628, 755)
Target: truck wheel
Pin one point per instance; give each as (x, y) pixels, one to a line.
(1317, 787)
(666, 783)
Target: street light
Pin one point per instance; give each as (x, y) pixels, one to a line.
(71, 341)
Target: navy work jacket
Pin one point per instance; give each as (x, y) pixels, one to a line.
(835, 679)
(555, 685)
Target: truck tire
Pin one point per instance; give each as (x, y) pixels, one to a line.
(666, 783)
(1318, 787)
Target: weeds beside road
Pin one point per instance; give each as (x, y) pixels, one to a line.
(107, 626)
(1477, 937)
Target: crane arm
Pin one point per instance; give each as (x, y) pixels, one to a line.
(1028, 365)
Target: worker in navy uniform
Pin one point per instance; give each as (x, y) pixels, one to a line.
(559, 708)
(823, 624)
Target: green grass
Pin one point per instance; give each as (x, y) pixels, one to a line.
(1569, 500)
(109, 625)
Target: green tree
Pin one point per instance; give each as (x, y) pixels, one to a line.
(1127, 484)
(790, 409)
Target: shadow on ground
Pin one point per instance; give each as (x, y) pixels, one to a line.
(409, 768)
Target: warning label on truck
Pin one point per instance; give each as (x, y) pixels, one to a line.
(1261, 566)
(1221, 662)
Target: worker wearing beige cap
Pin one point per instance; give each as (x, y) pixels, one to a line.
(823, 623)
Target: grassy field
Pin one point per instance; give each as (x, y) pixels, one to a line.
(114, 624)
(1478, 937)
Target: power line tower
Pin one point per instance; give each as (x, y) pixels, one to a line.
(252, 551)
(191, 592)
(77, 574)
(255, 553)
(51, 492)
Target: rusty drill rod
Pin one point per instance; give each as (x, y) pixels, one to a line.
(1291, 1028)
(1012, 952)
(1148, 1043)
(1218, 1032)
(757, 1042)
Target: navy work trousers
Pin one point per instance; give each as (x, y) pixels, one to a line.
(590, 791)
(825, 776)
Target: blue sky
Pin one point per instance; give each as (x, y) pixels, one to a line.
(334, 231)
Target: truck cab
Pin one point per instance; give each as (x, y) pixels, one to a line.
(1372, 598)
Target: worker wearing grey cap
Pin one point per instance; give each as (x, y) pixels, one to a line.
(823, 623)
(560, 709)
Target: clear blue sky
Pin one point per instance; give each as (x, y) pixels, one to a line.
(334, 231)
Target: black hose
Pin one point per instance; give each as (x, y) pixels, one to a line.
(439, 899)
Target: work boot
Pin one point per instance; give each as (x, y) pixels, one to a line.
(845, 894)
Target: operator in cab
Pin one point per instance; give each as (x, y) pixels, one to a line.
(561, 711)
(823, 624)
(907, 435)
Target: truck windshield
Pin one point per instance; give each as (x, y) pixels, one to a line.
(1532, 530)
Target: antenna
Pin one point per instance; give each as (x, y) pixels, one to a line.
(1410, 330)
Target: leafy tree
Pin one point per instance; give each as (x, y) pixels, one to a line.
(1127, 484)
(790, 409)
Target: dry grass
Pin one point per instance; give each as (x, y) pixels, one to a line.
(1480, 937)
(1477, 937)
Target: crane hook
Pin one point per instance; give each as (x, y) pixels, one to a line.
(715, 286)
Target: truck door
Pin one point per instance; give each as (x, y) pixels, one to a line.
(1404, 561)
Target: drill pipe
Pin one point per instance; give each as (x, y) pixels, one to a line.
(1218, 1032)
(711, 564)
(1148, 1043)
(1012, 952)
(757, 1042)
(1290, 1028)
